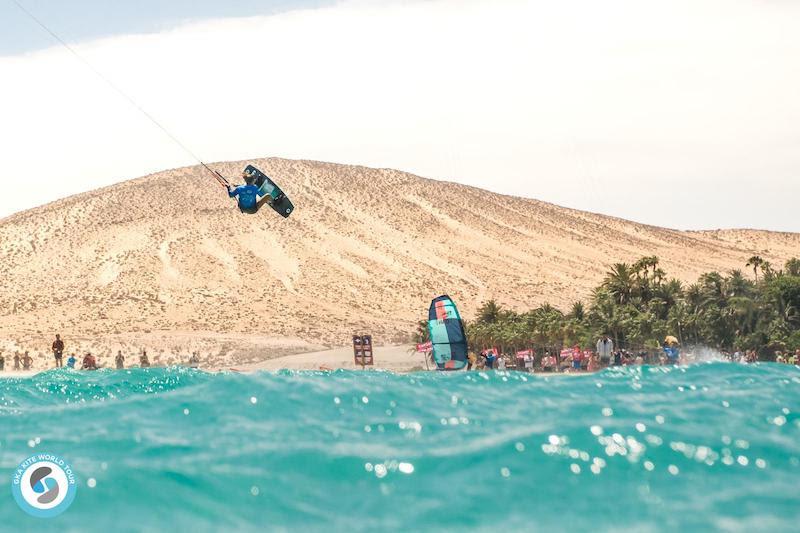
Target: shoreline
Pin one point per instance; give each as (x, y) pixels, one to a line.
(395, 358)
(399, 359)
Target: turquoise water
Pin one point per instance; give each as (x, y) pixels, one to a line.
(712, 446)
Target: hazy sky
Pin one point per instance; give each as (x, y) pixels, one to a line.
(683, 113)
(81, 20)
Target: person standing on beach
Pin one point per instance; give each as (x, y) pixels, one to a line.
(120, 360)
(672, 351)
(2, 362)
(27, 361)
(592, 366)
(577, 357)
(605, 347)
(16, 360)
(144, 362)
(548, 362)
(490, 359)
(528, 362)
(58, 351)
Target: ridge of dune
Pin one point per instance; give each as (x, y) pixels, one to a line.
(365, 251)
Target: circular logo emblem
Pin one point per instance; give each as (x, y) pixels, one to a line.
(44, 485)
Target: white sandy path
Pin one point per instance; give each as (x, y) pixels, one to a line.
(395, 358)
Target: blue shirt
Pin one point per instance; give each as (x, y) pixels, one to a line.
(248, 195)
(71, 362)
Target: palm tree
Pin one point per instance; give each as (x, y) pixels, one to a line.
(713, 290)
(619, 282)
(792, 315)
(489, 312)
(693, 299)
(640, 267)
(606, 315)
(756, 263)
(793, 267)
(766, 269)
(645, 263)
(738, 285)
(578, 311)
(652, 262)
(421, 334)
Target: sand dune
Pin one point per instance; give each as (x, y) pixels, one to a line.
(366, 249)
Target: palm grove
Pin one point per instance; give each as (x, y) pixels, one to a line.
(637, 306)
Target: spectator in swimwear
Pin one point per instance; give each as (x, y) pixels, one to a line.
(144, 362)
(89, 362)
(576, 359)
(2, 362)
(16, 360)
(548, 362)
(58, 351)
(27, 361)
(593, 365)
(119, 360)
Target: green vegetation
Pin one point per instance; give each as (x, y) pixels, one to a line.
(637, 306)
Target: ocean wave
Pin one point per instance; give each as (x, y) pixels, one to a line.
(709, 446)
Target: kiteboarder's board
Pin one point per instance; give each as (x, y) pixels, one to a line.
(266, 186)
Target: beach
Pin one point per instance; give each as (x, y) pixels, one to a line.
(398, 358)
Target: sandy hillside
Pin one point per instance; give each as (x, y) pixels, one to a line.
(365, 251)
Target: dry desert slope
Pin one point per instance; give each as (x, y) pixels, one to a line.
(365, 250)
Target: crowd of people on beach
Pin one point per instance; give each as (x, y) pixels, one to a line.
(789, 358)
(24, 361)
(606, 355)
(574, 361)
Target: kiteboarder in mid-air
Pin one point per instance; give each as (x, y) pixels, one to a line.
(256, 184)
(248, 195)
